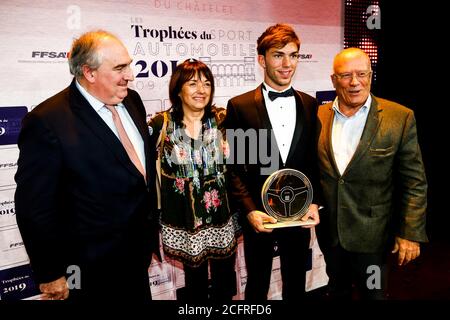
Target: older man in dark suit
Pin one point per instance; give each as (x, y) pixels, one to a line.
(283, 120)
(373, 181)
(82, 195)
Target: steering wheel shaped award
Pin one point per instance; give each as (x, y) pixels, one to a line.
(286, 196)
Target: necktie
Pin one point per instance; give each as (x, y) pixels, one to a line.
(288, 93)
(125, 140)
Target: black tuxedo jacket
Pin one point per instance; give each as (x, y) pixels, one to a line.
(248, 111)
(79, 198)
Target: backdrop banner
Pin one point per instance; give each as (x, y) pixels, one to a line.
(34, 42)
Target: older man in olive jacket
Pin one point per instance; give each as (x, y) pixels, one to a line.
(373, 181)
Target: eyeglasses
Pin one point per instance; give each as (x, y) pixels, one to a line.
(348, 76)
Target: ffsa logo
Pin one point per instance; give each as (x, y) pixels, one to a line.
(49, 54)
(305, 56)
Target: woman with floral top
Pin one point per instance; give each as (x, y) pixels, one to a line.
(196, 224)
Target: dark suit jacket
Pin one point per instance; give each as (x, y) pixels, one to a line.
(248, 111)
(383, 188)
(79, 199)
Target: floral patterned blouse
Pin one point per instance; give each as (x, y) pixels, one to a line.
(196, 223)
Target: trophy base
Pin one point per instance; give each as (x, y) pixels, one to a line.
(286, 224)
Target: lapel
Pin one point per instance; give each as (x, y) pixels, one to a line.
(264, 120)
(261, 110)
(299, 124)
(370, 129)
(327, 126)
(83, 110)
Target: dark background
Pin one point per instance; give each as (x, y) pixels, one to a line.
(411, 71)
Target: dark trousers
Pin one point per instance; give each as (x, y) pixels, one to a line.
(292, 245)
(115, 281)
(366, 272)
(223, 281)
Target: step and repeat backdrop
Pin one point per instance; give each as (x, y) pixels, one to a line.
(35, 37)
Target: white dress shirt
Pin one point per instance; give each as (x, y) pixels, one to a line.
(347, 132)
(282, 114)
(128, 123)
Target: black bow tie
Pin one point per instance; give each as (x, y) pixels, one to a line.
(288, 93)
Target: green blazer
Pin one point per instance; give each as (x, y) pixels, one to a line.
(383, 191)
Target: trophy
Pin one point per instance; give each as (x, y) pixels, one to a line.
(286, 196)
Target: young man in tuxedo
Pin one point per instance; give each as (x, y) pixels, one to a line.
(284, 121)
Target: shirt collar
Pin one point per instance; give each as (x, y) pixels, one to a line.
(269, 88)
(93, 101)
(365, 107)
